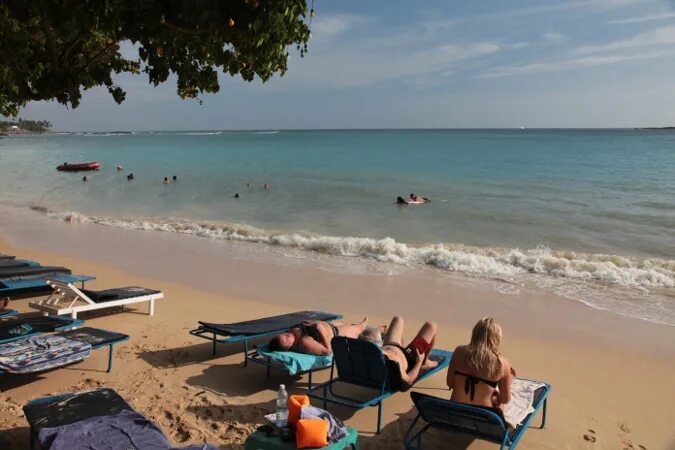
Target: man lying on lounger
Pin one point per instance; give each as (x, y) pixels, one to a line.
(414, 358)
(313, 337)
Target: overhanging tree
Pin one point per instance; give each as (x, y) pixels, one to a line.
(54, 49)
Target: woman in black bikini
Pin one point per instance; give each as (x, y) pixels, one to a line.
(478, 374)
(313, 337)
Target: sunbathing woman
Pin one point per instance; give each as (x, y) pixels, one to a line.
(413, 359)
(313, 337)
(478, 374)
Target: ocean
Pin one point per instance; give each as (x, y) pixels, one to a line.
(587, 214)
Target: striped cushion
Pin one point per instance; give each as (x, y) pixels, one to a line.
(38, 353)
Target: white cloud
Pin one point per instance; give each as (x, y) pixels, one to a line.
(569, 64)
(559, 6)
(554, 36)
(656, 37)
(330, 26)
(639, 19)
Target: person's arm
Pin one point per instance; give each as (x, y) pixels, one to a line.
(411, 376)
(312, 347)
(508, 374)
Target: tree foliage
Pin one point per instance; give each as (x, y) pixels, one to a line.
(54, 49)
(33, 126)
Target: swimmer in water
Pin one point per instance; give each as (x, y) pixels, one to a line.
(84, 178)
(236, 195)
(166, 180)
(130, 176)
(266, 186)
(175, 178)
(120, 167)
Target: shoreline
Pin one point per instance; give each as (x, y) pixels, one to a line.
(596, 361)
(632, 286)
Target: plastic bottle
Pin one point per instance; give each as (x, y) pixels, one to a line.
(282, 407)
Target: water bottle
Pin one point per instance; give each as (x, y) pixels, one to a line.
(282, 407)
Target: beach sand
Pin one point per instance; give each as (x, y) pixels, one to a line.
(610, 374)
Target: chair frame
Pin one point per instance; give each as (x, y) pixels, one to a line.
(413, 441)
(381, 392)
(67, 292)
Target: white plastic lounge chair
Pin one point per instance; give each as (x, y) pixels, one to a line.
(66, 299)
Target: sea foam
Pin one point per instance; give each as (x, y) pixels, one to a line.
(489, 262)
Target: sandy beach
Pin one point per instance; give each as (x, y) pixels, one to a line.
(609, 373)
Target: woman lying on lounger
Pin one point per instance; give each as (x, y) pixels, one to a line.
(413, 359)
(313, 337)
(478, 374)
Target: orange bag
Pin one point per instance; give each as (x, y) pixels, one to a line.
(295, 404)
(311, 433)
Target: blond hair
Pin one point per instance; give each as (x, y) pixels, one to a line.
(483, 351)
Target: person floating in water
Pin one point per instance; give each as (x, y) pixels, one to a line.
(175, 178)
(130, 176)
(84, 178)
(120, 167)
(266, 186)
(248, 185)
(236, 195)
(166, 180)
(416, 198)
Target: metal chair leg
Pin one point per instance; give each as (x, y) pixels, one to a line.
(110, 358)
(543, 414)
(214, 344)
(379, 416)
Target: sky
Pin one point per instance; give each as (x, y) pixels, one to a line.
(431, 64)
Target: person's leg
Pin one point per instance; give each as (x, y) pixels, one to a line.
(351, 331)
(394, 334)
(428, 334)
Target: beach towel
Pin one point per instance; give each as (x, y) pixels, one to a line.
(294, 362)
(522, 397)
(38, 353)
(267, 324)
(127, 430)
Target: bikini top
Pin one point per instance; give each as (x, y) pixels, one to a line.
(311, 331)
(472, 381)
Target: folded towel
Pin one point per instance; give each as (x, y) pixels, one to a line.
(522, 396)
(295, 362)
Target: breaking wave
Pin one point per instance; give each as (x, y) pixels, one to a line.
(489, 262)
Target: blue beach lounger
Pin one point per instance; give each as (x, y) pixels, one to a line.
(257, 328)
(7, 312)
(290, 363)
(36, 285)
(363, 364)
(43, 352)
(13, 327)
(93, 419)
(481, 422)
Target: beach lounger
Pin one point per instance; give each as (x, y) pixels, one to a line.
(14, 327)
(5, 257)
(14, 263)
(43, 352)
(20, 273)
(67, 299)
(36, 286)
(481, 422)
(92, 419)
(290, 363)
(257, 328)
(363, 364)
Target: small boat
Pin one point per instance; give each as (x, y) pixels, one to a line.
(78, 167)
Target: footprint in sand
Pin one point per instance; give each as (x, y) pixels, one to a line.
(590, 436)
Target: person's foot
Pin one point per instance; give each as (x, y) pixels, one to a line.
(383, 329)
(363, 324)
(429, 364)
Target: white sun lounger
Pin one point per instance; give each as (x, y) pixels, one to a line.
(66, 299)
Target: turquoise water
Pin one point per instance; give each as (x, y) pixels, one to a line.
(586, 205)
